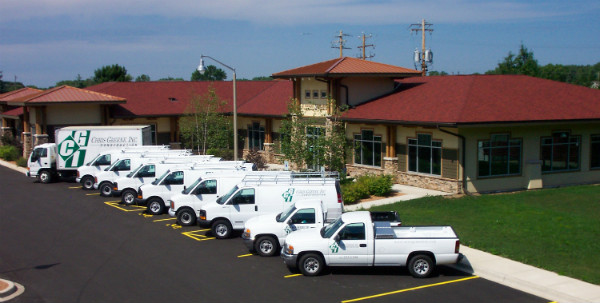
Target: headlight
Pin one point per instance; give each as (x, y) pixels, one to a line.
(247, 233)
(288, 249)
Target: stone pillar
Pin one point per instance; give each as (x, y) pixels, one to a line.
(39, 139)
(390, 167)
(27, 144)
(269, 153)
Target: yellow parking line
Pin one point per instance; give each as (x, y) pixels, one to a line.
(93, 194)
(242, 256)
(73, 187)
(116, 205)
(164, 220)
(409, 289)
(197, 237)
(291, 276)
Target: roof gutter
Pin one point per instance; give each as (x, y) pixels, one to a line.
(462, 156)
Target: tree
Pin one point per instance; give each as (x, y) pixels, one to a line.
(314, 142)
(212, 73)
(142, 78)
(78, 82)
(521, 64)
(436, 73)
(204, 127)
(171, 79)
(110, 73)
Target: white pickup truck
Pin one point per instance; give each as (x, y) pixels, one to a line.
(355, 240)
(265, 234)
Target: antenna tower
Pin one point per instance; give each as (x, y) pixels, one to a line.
(364, 47)
(341, 43)
(426, 56)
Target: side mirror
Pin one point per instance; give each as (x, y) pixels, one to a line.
(34, 158)
(336, 238)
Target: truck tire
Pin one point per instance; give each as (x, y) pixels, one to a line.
(87, 182)
(128, 196)
(45, 177)
(221, 229)
(156, 206)
(420, 266)
(266, 246)
(311, 264)
(106, 189)
(186, 217)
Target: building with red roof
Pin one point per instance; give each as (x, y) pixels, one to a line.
(474, 133)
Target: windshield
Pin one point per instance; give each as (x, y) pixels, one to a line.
(112, 166)
(155, 182)
(93, 160)
(133, 172)
(221, 200)
(189, 189)
(329, 230)
(286, 213)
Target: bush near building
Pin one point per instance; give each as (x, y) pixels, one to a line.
(366, 186)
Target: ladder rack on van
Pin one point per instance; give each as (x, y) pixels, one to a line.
(302, 178)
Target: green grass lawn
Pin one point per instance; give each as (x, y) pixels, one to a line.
(555, 229)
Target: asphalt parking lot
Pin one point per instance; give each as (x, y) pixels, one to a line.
(64, 244)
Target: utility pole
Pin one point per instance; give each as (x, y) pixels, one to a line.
(423, 27)
(341, 43)
(364, 46)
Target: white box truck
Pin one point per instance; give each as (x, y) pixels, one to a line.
(76, 145)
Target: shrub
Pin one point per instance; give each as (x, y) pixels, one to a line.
(22, 162)
(9, 153)
(381, 186)
(254, 156)
(364, 186)
(226, 154)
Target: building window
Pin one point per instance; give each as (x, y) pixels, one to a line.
(307, 94)
(500, 156)
(315, 94)
(560, 152)
(367, 148)
(323, 94)
(425, 155)
(595, 151)
(256, 136)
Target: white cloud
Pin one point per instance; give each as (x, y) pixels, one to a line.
(300, 12)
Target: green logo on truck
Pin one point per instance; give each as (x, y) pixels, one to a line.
(72, 149)
(334, 247)
(288, 195)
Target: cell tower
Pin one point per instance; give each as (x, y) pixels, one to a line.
(425, 56)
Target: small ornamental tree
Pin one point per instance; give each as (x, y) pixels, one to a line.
(204, 127)
(312, 142)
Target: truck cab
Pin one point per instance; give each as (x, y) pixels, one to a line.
(42, 162)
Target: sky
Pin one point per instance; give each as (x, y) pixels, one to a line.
(46, 41)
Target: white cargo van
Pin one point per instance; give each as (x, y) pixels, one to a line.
(87, 172)
(104, 180)
(175, 180)
(186, 206)
(257, 195)
(126, 187)
(76, 145)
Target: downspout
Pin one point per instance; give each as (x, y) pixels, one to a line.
(464, 169)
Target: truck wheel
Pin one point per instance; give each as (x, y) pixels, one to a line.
(266, 246)
(186, 217)
(221, 229)
(45, 177)
(87, 182)
(106, 189)
(128, 196)
(311, 264)
(156, 206)
(420, 266)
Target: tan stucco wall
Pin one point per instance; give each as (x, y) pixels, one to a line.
(73, 114)
(531, 175)
(312, 84)
(363, 89)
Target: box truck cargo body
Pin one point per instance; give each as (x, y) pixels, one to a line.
(77, 145)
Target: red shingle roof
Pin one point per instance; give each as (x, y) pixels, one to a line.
(13, 113)
(345, 66)
(481, 99)
(168, 98)
(68, 94)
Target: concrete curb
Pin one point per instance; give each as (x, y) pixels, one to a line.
(13, 166)
(10, 290)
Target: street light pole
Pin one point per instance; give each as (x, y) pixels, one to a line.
(201, 69)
